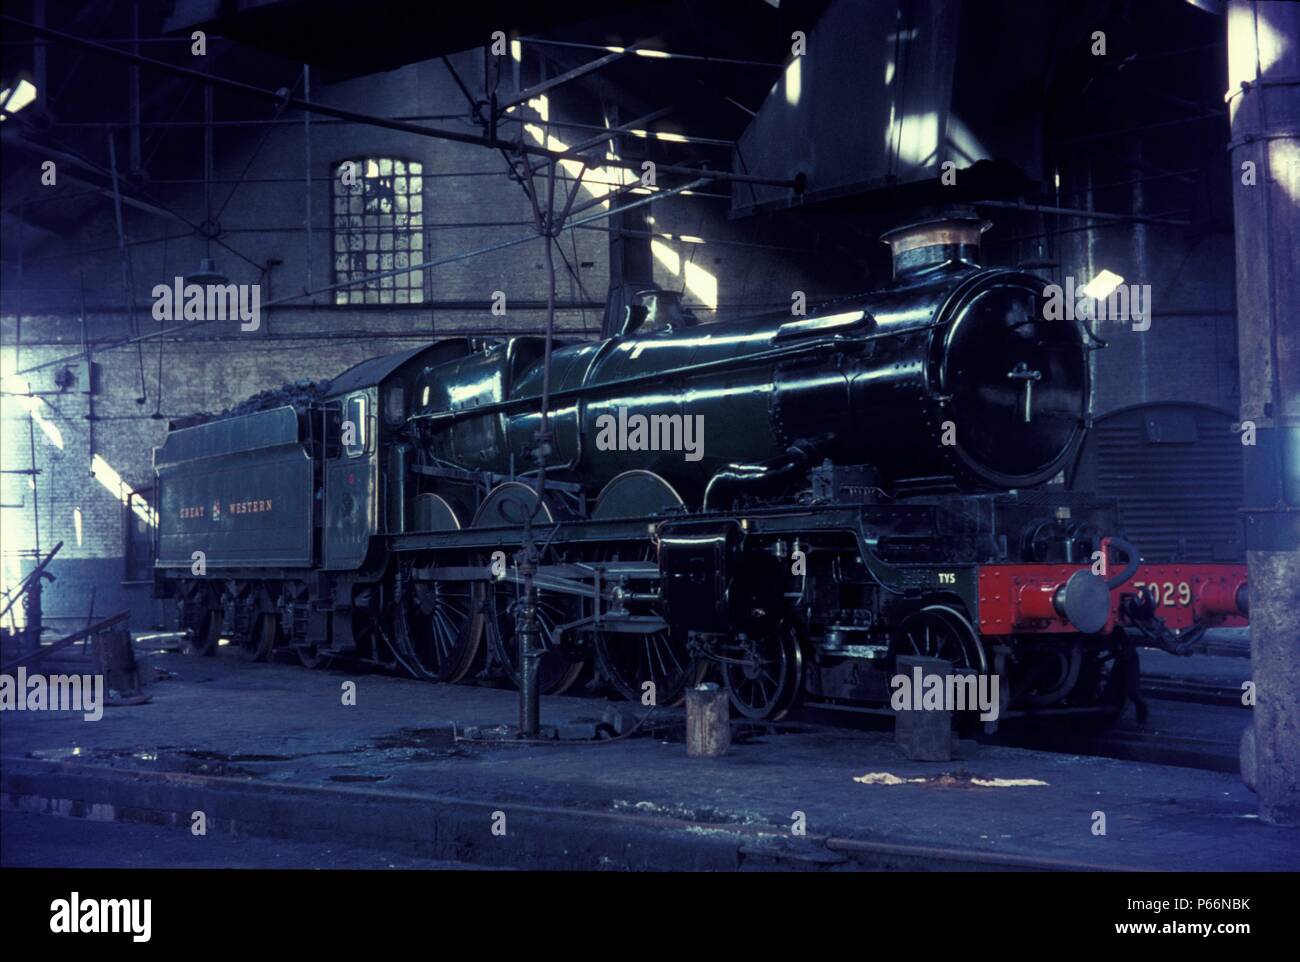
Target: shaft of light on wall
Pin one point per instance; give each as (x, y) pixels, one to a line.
(794, 81)
(612, 177)
(35, 408)
(14, 99)
(1101, 286)
(112, 482)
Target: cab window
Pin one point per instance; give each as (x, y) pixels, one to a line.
(356, 427)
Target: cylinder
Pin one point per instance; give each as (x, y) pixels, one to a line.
(708, 721)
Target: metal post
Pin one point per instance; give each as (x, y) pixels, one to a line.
(133, 89)
(1264, 111)
(207, 165)
(128, 275)
(529, 645)
(39, 75)
(306, 139)
(529, 653)
(33, 616)
(36, 501)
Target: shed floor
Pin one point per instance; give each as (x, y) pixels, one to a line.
(271, 750)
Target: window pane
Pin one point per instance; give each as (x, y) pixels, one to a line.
(378, 227)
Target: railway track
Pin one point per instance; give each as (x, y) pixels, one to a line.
(1152, 747)
(1198, 691)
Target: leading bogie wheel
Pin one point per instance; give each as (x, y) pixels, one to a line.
(762, 675)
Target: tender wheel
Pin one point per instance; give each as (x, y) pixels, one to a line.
(628, 660)
(311, 656)
(763, 675)
(206, 633)
(560, 666)
(260, 641)
(438, 626)
(938, 631)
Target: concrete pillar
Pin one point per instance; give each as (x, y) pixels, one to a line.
(1264, 109)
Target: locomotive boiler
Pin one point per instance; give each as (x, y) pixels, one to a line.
(789, 501)
(877, 380)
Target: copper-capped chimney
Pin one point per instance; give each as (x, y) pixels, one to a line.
(950, 235)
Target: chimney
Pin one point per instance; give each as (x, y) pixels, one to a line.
(929, 240)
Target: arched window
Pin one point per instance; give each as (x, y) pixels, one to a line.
(378, 228)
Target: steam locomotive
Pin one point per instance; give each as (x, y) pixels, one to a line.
(868, 481)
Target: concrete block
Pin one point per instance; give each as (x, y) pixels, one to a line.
(923, 734)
